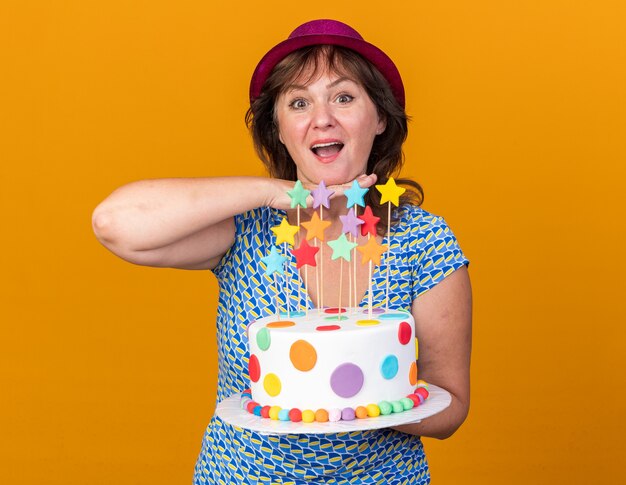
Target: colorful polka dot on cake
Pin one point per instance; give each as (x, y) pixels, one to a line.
(347, 380)
(367, 323)
(413, 374)
(271, 384)
(391, 316)
(303, 355)
(263, 339)
(254, 369)
(280, 324)
(405, 333)
(389, 367)
(335, 310)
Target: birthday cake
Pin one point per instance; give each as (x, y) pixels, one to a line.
(329, 366)
(332, 364)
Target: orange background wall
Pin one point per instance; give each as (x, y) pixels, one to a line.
(108, 370)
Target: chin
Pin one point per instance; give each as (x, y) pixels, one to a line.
(331, 174)
(338, 177)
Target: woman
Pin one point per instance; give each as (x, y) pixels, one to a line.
(325, 106)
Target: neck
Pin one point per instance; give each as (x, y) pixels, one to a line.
(337, 208)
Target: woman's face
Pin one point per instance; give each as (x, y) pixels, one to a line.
(328, 126)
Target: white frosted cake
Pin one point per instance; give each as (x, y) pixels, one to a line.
(333, 365)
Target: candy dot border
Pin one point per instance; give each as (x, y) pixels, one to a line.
(406, 403)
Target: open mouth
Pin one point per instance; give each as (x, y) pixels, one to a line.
(325, 150)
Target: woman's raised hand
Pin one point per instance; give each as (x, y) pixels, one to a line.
(365, 182)
(188, 223)
(281, 200)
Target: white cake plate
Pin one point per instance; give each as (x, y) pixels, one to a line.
(229, 410)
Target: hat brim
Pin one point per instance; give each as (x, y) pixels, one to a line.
(369, 51)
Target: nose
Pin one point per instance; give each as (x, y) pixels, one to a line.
(322, 116)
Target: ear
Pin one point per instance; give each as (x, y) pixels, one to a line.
(280, 135)
(382, 125)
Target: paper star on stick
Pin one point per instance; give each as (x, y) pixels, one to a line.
(285, 232)
(315, 227)
(274, 262)
(372, 251)
(350, 223)
(321, 196)
(342, 247)
(305, 254)
(390, 192)
(298, 195)
(369, 222)
(355, 195)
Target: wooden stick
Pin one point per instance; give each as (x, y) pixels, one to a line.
(287, 286)
(350, 280)
(340, 287)
(370, 290)
(317, 280)
(320, 297)
(298, 242)
(306, 289)
(356, 240)
(276, 297)
(387, 255)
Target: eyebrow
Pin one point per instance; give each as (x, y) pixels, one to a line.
(302, 87)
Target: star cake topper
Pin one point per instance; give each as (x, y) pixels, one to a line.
(342, 247)
(390, 192)
(315, 227)
(274, 262)
(372, 251)
(298, 195)
(369, 222)
(285, 232)
(321, 196)
(350, 223)
(355, 195)
(305, 254)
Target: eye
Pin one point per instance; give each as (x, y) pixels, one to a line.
(298, 104)
(344, 98)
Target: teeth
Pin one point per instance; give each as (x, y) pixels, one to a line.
(321, 145)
